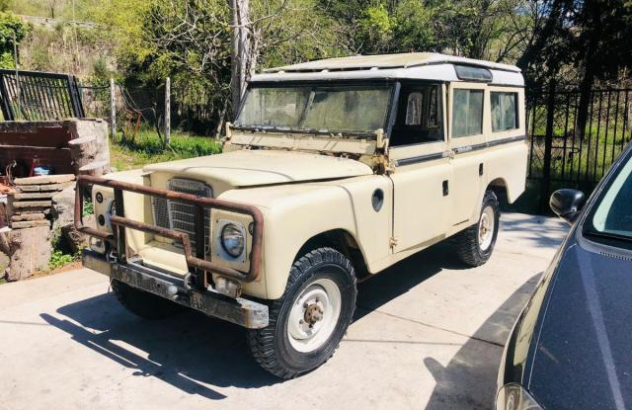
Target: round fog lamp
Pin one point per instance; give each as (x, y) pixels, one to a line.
(233, 240)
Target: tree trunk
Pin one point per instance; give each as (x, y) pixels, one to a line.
(241, 55)
(89, 148)
(585, 94)
(553, 20)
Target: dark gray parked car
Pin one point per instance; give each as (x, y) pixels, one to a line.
(571, 346)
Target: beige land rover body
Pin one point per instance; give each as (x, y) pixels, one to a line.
(332, 171)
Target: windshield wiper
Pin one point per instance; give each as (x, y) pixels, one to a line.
(607, 235)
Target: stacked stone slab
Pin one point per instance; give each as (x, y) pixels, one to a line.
(30, 204)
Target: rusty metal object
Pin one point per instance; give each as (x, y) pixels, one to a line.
(118, 238)
(243, 312)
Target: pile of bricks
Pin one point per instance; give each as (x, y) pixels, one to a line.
(31, 202)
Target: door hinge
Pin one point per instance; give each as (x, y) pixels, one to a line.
(392, 241)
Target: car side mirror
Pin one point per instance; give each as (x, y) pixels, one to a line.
(567, 203)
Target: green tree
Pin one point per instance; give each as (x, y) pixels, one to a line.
(12, 30)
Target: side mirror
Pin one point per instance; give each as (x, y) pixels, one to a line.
(567, 203)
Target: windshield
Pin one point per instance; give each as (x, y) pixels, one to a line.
(320, 109)
(612, 217)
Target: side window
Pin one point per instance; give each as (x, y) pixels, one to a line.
(433, 108)
(467, 113)
(414, 109)
(419, 116)
(504, 111)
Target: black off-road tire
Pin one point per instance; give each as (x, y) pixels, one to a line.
(467, 243)
(271, 347)
(143, 304)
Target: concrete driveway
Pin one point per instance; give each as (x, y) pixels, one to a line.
(428, 334)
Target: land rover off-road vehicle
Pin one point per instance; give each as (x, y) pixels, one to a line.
(332, 171)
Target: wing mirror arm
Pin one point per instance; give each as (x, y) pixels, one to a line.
(567, 204)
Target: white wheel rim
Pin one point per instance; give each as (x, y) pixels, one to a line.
(486, 227)
(314, 315)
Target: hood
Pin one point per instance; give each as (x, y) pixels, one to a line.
(582, 356)
(264, 167)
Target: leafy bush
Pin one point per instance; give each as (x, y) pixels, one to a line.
(62, 255)
(12, 28)
(59, 259)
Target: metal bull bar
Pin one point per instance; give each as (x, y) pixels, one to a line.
(120, 223)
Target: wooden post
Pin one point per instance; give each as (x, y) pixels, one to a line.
(168, 111)
(112, 110)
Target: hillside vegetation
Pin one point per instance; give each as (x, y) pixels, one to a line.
(141, 42)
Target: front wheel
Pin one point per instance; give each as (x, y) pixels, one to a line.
(476, 244)
(308, 322)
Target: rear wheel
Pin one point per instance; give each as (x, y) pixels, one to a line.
(476, 244)
(308, 322)
(143, 304)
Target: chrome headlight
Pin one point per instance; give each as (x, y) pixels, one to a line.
(233, 240)
(97, 245)
(515, 397)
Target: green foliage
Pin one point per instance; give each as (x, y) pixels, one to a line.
(88, 206)
(376, 28)
(61, 255)
(58, 259)
(5, 5)
(12, 31)
(141, 42)
(414, 30)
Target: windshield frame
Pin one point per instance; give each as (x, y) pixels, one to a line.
(330, 85)
(586, 229)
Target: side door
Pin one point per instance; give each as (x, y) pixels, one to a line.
(468, 104)
(422, 177)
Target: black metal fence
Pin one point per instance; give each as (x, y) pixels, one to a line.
(561, 155)
(37, 96)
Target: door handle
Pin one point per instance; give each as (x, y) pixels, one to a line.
(446, 188)
(481, 169)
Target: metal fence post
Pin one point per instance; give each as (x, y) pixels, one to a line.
(168, 111)
(548, 148)
(112, 109)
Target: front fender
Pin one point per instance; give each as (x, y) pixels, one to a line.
(295, 213)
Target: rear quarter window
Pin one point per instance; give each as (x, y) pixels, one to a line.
(504, 107)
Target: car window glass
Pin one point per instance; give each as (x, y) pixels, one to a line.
(467, 113)
(504, 111)
(414, 109)
(348, 110)
(321, 109)
(613, 215)
(278, 107)
(419, 116)
(433, 108)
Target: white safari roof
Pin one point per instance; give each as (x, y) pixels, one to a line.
(425, 66)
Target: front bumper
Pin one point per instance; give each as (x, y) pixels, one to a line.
(243, 312)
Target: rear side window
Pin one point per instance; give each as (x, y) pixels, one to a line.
(504, 111)
(467, 113)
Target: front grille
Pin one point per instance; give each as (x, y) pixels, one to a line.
(179, 216)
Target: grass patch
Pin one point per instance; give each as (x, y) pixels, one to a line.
(147, 148)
